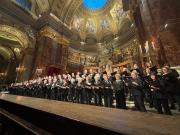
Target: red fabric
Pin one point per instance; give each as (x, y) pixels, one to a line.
(53, 71)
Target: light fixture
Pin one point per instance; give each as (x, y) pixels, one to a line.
(132, 25)
(20, 69)
(82, 43)
(3, 74)
(166, 25)
(116, 38)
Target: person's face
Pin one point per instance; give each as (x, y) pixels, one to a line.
(133, 75)
(117, 76)
(135, 66)
(153, 77)
(55, 80)
(164, 70)
(148, 65)
(91, 71)
(85, 71)
(45, 81)
(105, 77)
(147, 71)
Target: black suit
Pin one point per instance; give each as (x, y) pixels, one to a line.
(108, 94)
(136, 88)
(159, 96)
(118, 87)
(172, 87)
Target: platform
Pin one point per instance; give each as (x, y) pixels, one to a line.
(112, 120)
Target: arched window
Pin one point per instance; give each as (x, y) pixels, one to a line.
(25, 4)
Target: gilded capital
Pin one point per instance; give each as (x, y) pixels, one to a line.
(54, 35)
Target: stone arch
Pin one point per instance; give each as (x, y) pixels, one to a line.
(6, 53)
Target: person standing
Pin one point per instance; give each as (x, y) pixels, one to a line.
(160, 98)
(118, 87)
(107, 91)
(136, 87)
(170, 77)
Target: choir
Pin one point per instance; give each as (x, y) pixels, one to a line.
(159, 89)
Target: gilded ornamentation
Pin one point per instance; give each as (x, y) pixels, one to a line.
(49, 32)
(117, 13)
(21, 36)
(5, 52)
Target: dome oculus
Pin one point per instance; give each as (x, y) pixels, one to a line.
(94, 4)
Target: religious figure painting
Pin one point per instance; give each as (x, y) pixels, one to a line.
(91, 26)
(104, 24)
(77, 23)
(117, 13)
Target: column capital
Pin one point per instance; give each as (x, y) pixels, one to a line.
(49, 32)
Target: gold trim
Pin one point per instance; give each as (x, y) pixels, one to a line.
(51, 33)
(18, 34)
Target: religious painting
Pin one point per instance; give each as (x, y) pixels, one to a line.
(104, 24)
(77, 23)
(90, 26)
(117, 13)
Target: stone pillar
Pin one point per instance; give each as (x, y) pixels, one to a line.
(155, 15)
(11, 71)
(27, 63)
(51, 53)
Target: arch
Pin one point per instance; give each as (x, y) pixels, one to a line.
(15, 34)
(6, 53)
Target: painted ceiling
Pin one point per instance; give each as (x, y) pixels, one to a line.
(91, 21)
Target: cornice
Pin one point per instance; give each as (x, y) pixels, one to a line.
(57, 25)
(18, 13)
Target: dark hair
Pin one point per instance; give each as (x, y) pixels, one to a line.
(153, 73)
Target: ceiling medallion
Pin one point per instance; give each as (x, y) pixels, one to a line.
(94, 4)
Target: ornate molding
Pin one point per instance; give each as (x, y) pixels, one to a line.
(51, 33)
(21, 36)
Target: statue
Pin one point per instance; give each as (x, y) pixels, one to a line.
(101, 66)
(146, 46)
(109, 66)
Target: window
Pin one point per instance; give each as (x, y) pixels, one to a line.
(25, 4)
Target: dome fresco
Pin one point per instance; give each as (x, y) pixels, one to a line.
(98, 23)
